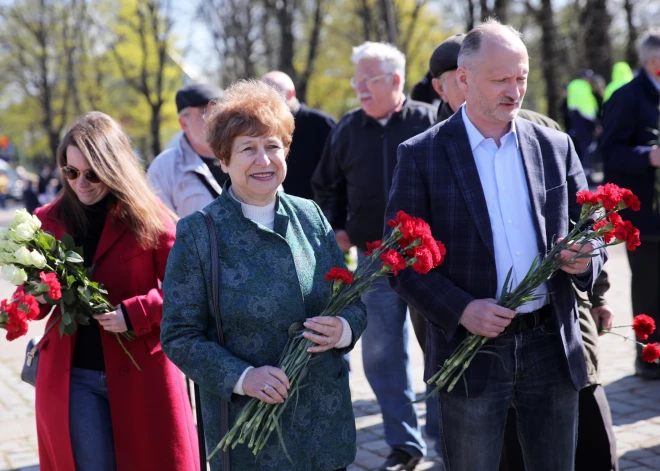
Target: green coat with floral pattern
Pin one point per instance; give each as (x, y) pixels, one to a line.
(268, 280)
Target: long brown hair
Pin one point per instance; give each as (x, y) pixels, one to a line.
(108, 153)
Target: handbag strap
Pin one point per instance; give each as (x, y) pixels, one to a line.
(215, 285)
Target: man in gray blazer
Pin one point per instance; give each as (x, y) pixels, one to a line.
(497, 191)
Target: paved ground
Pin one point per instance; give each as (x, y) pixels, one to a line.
(635, 404)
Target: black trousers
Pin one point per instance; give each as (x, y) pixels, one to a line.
(596, 447)
(645, 267)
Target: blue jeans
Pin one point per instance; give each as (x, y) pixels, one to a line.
(533, 378)
(89, 421)
(386, 360)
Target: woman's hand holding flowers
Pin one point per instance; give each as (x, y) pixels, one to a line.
(112, 321)
(329, 328)
(266, 383)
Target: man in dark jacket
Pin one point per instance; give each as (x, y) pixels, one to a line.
(312, 130)
(631, 160)
(443, 65)
(352, 184)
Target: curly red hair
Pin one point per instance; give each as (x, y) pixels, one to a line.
(247, 108)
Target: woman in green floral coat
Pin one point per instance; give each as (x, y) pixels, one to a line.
(274, 252)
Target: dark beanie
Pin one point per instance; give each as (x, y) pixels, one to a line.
(196, 94)
(445, 56)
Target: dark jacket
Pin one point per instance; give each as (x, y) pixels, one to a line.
(352, 182)
(445, 112)
(312, 130)
(437, 179)
(630, 115)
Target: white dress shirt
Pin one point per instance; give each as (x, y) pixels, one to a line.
(504, 184)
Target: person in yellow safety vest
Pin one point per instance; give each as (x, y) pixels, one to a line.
(621, 75)
(583, 110)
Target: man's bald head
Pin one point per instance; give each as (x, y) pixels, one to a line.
(479, 40)
(283, 83)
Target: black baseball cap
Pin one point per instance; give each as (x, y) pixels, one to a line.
(445, 56)
(196, 94)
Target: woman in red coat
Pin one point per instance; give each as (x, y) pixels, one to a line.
(95, 410)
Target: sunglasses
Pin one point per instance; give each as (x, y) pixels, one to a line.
(71, 173)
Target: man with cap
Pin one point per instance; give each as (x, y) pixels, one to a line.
(187, 176)
(312, 130)
(443, 65)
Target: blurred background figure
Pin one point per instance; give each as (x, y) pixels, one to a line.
(632, 161)
(423, 91)
(30, 193)
(187, 177)
(621, 75)
(309, 136)
(583, 110)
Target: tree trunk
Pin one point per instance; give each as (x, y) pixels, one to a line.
(598, 49)
(550, 60)
(389, 21)
(469, 23)
(155, 128)
(314, 41)
(631, 47)
(501, 10)
(364, 11)
(285, 20)
(485, 11)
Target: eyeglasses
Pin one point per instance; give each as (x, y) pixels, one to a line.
(72, 173)
(369, 81)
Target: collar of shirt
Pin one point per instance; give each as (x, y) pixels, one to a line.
(476, 138)
(653, 80)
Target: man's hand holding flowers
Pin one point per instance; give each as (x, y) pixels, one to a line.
(575, 266)
(485, 317)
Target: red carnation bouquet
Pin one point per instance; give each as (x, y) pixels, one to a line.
(410, 245)
(643, 326)
(599, 218)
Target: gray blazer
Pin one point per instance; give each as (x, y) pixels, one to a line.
(436, 178)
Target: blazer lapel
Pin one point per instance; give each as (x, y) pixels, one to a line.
(465, 171)
(530, 150)
(112, 231)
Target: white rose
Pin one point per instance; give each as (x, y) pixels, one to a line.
(37, 260)
(6, 258)
(21, 216)
(16, 276)
(22, 232)
(22, 256)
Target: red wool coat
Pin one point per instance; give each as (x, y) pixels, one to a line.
(152, 420)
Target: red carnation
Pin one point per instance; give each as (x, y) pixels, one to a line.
(393, 260)
(17, 323)
(424, 260)
(401, 217)
(626, 232)
(643, 326)
(630, 199)
(339, 274)
(600, 224)
(610, 195)
(615, 219)
(373, 246)
(651, 352)
(54, 287)
(30, 305)
(587, 197)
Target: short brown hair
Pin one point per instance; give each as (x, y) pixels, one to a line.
(247, 108)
